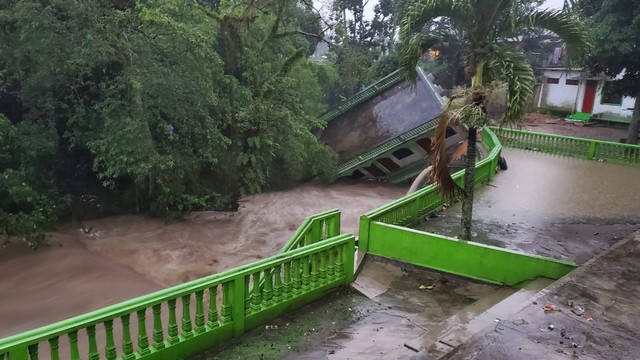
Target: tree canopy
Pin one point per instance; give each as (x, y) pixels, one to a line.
(124, 106)
(615, 28)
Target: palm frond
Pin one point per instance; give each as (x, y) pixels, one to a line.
(511, 68)
(410, 52)
(564, 24)
(421, 12)
(440, 173)
(415, 39)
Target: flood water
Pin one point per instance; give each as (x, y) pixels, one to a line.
(550, 205)
(128, 256)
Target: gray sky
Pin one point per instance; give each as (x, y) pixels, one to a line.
(551, 4)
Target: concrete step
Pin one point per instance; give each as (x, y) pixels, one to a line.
(441, 339)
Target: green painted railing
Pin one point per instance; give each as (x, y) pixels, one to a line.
(571, 146)
(409, 209)
(315, 228)
(386, 147)
(382, 233)
(473, 260)
(183, 320)
(364, 95)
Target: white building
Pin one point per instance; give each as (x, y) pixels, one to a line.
(573, 90)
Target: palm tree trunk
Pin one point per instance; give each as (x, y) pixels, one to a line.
(470, 168)
(634, 126)
(469, 180)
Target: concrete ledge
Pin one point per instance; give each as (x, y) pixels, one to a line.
(597, 316)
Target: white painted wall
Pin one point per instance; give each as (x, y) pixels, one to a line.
(599, 107)
(560, 95)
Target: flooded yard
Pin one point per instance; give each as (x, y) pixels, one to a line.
(549, 205)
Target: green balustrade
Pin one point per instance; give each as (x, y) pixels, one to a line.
(271, 287)
(364, 95)
(409, 209)
(625, 154)
(315, 228)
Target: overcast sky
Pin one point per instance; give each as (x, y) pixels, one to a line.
(551, 4)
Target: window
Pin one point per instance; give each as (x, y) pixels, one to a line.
(402, 153)
(551, 80)
(572, 82)
(609, 96)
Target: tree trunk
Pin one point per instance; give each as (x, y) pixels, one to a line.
(469, 177)
(634, 126)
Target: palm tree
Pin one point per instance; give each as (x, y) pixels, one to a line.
(489, 28)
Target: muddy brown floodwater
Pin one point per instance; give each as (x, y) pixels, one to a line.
(128, 256)
(550, 205)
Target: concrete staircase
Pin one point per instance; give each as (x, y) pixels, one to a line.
(440, 340)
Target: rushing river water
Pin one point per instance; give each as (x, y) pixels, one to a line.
(128, 256)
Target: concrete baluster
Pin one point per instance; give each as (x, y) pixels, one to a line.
(186, 317)
(93, 346)
(199, 312)
(212, 313)
(53, 347)
(173, 324)
(110, 348)
(225, 310)
(73, 344)
(158, 336)
(127, 345)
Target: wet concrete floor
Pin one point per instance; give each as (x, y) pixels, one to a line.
(554, 206)
(348, 325)
(596, 317)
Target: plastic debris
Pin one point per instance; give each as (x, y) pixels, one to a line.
(551, 327)
(589, 319)
(550, 308)
(271, 327)
(427, 287)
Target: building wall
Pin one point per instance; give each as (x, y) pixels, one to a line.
(561, 95)
(599, 107)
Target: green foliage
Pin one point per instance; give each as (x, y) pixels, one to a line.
(155, 106)
(615, 31)
(29, 204)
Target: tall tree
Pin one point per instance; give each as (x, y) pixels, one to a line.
(492, 65)
(615, 28)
